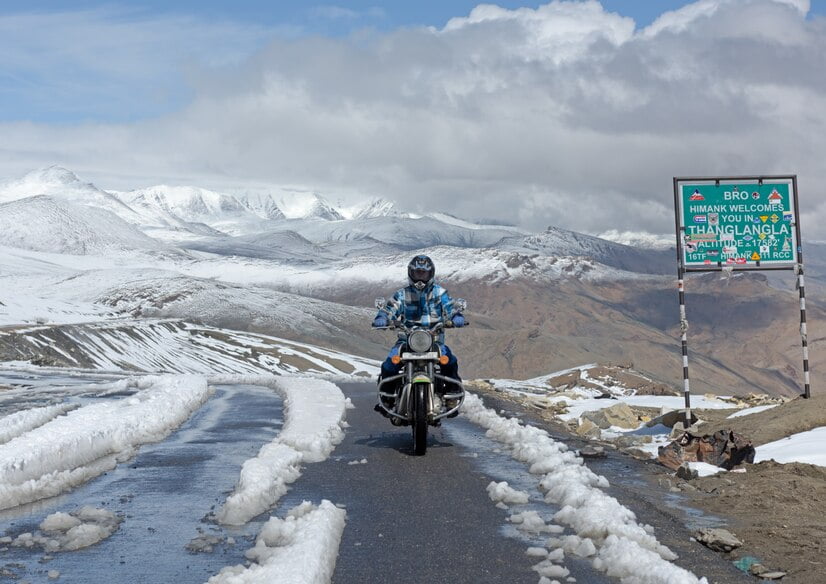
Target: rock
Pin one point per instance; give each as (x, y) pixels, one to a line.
(629, 441)
(619, 415)
(670, 418)
(566, 381)
(718, 540)
(687, 487)
(638, 453)
(665, 483)
(654, 388)
(723, 448)
(776, 575)
(592, 452)
(687, 473)
(588, 429)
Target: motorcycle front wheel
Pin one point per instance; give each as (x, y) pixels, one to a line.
(420, 419)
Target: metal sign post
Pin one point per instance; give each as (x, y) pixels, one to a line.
(733, 224)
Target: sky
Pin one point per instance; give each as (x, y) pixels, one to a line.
(568, 113)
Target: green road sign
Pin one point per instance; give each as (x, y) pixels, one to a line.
(747, 225)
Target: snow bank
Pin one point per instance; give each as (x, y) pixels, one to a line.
(73, 448)
(314, 412)
(18, 423)
(625, 549)
(807, 447)
(300, 549)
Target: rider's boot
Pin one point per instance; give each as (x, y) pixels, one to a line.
(451, 403)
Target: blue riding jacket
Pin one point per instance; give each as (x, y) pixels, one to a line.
(423, 307)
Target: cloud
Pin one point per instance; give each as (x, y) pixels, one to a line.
(565, 114)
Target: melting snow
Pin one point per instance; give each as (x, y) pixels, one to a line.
(314, 411)
(299, 549)
(75, 447)
(625, 549)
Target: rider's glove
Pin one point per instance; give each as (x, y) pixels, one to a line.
(458, 320)
(380, 321)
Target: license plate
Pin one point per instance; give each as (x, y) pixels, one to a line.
(420, 356)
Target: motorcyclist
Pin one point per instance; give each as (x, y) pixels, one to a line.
(421, 302)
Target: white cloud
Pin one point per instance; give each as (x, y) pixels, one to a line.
(562, 115)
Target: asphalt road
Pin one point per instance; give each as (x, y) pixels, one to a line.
(429, 518)
(409, 518)
(417, 518)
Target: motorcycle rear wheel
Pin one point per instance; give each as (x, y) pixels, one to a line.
(420, 419)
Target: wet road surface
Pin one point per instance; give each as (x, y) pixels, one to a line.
(164, 495)
(410, 519)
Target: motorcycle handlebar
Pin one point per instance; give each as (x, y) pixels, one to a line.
(395, 324)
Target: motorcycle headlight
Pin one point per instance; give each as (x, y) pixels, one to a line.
(419, 341)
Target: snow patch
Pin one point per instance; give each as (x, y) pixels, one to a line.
(299, 549)
(70, 531)
(502, 492)
(806, 447)
(753, 410)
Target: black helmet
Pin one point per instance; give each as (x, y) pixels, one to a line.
(420, 272)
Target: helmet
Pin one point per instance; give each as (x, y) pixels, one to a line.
(420, 272)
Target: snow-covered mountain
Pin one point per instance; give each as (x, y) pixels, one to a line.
(372, 209)
(308, 205)
(639, 239)
(45, 223)
(262, 204)
(558, 242)
(284, 246)
(557, 298)
(190, 207)
(61, 183)
(400, 231)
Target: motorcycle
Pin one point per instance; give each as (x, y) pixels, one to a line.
(420, 401)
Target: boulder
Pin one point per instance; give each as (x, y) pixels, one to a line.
(566, 381)
(719, 540)
(619, 415)
(687, 473)
(724, 448)
(670, 418)
(587, 429)
(592, 452)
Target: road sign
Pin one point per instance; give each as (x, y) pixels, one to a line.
(737, 223)
(748, 221)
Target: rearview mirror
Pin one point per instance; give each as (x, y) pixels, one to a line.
(380, 303)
